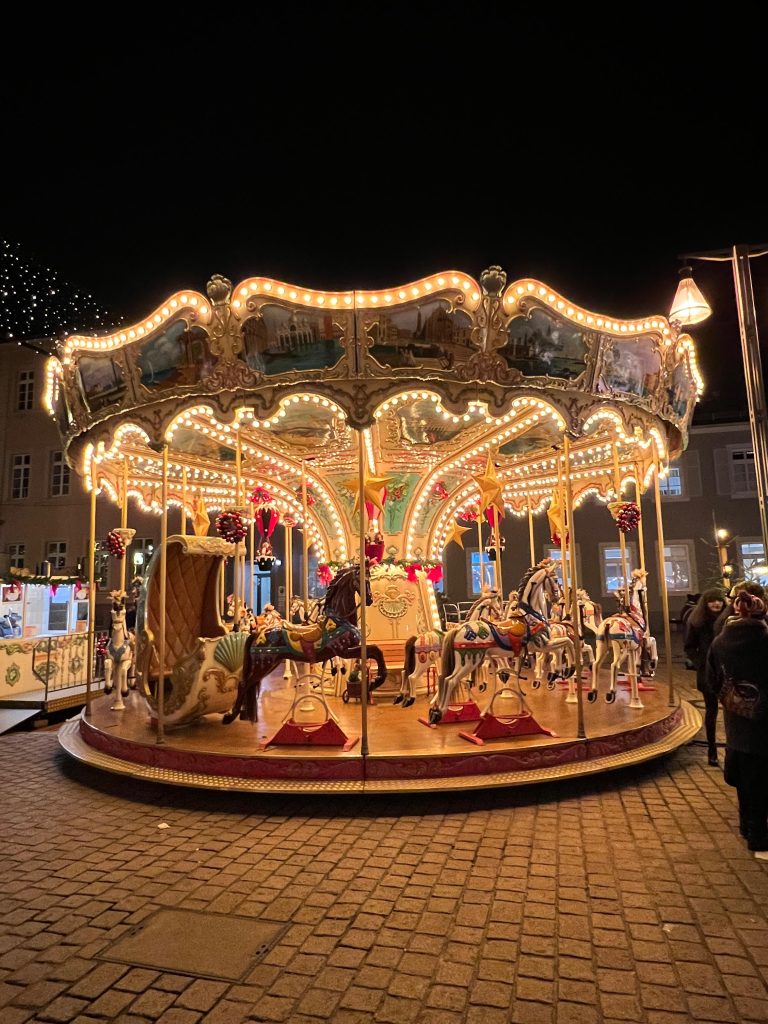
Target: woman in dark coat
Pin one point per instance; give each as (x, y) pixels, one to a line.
(751, 586)
(699, 634)
(737, 671)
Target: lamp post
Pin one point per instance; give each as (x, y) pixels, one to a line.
(690, 307)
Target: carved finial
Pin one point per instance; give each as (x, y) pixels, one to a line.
(219, 290)
(493, 281)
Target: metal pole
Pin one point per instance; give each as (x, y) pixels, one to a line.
(163, 567)
(663, 577)
(622, 541)
(497, 545)
(753, 373)
(184, 501)
(641, 540)
(530, 531)
(91, 591)
(479, 522)
(363, 589)
(305, 536)
(575, 619)
(239, 579)
(253, 541)
(288, 570)
(124, 521)
(564, 532)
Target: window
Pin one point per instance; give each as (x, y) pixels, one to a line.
(482, 571)
(753, 561)
(59, 475)
(16, 555)
(140, 553)
(20, 476)
(672, 484)
(610, 558)
(56, 553)
(554, 553)
(101, 558)
(743, 479)
(26, 390)
(679, 567)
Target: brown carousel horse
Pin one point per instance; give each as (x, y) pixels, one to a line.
(334, 635)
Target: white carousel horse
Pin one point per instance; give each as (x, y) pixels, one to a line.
(466, 647)
(556, 657)
(422, 652)
(590, 617)
(625, 632)
(119, 654)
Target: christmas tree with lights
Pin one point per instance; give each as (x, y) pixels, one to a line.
(36, 303)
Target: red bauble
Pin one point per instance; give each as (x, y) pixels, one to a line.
(230, 526)
(115, 544)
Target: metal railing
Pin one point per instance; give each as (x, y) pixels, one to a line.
(61, 662)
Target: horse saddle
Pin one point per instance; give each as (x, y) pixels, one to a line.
(308, 634)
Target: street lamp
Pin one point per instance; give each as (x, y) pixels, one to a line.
(690, 307)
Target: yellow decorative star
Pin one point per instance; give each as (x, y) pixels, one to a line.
(456, 534)
(490, 489)
(372, 489)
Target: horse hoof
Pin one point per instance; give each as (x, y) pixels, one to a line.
(398, 699)
(228, 718)
(551, 684)
(610, 697)
(482, 688)
(536, 684)
(408, 701)
(334, 671)
(435, 715)
(504, 677)
(592, 696)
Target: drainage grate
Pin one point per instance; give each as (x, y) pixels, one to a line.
(195, 942)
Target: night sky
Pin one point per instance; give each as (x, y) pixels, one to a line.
(587, 153)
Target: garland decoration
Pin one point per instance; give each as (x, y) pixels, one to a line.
(626, 514)
(115, 544)
(230, 526)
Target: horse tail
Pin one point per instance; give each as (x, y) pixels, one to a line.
(448, 654)
(410, 657)
(250, 685)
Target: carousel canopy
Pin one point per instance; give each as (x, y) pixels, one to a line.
(273, 381)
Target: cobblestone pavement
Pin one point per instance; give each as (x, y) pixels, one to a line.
(628, 897)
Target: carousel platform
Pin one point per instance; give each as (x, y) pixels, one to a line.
(405, 755)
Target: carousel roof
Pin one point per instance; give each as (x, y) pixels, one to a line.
(438, 374)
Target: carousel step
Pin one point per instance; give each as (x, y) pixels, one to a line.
(11, 717)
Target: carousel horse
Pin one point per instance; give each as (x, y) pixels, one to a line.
(335, 667)
(625, 632)
(335, 634)
(466, 647)
(590, 617)
(422, 651)
(118, 657)
(539, 591)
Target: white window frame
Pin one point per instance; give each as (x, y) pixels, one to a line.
(21, 472)
(25, 390)
(740, 492)
(632, 563)
(56, 554)
(693, 584)
(17, 554)
(58, 468)
(553, 551)
(488, 575)
(761, 559)
(682, 496)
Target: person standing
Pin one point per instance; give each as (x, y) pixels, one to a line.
(737, 671)
(699, 634)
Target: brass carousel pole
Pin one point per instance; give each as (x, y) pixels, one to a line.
(363, 590)
(288, 571)
(163, 600)
(252, 539)
(622, 541)
(91, 591)
(239, 581)
(497, 545)
(580, 731)
(184, 501)
(562, 494)
(479, 522)
(530, 531)
(663, 577)
(641, 540)
(124, 521)
(305, 537)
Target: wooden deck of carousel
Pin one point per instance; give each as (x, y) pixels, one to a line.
(405, 755)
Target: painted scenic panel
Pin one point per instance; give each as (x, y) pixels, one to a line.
(306, 425)
(631, 367)
(539, 438)
(423, 334)
(281, 340)
(177, 357)
(102, 381)
(545, 345)
(680, 390)
(421, 422)
(196, 443)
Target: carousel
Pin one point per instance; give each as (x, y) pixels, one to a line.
(342, 445)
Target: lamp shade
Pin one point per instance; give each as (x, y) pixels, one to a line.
(689, 306)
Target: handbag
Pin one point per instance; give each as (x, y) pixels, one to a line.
(743, 698)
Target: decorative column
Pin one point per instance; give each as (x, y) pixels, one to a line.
(530, 531)
(363, 588)
(184, 501)
(622, 541)
(163, 567)
(663, 577)
(575, 618)
(563, 496)
(305, 537)
(91, 589)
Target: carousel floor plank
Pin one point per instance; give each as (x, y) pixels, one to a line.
(404, 755)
